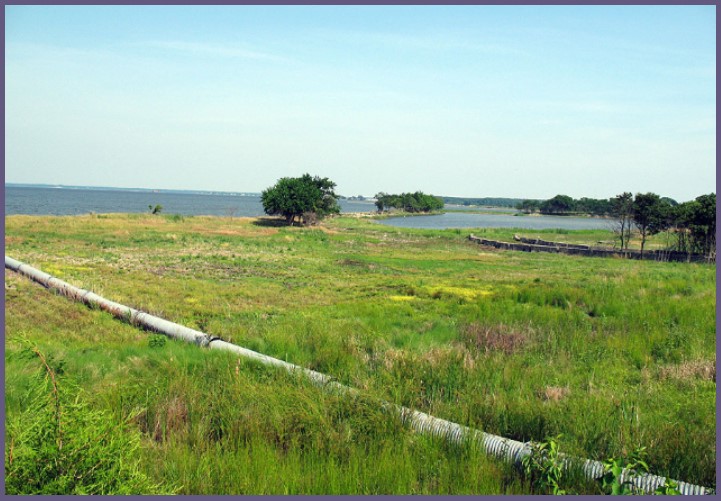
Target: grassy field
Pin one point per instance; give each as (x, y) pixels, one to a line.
(610, 353)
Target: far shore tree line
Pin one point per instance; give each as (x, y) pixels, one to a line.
(408, 202)
(690, 226)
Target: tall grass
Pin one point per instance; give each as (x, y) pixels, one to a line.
(614, 354)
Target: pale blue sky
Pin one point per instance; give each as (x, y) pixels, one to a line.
(461, 101)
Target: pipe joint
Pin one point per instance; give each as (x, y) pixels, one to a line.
(209, 339)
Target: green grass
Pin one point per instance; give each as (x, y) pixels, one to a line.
(612, 353)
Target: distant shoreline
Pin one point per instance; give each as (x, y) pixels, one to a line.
(133, 190)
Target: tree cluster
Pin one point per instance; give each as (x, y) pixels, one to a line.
(488, 201)
(691, 226)
(695, 224)
(306, 198)
(409, 202)
(565, 205)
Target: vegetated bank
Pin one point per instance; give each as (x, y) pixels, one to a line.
(537, 245)
(614, 354)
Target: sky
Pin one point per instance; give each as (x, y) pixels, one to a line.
(469, 101)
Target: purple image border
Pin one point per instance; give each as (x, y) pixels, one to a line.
(330, 3)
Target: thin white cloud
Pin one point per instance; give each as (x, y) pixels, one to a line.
(210, 49)
(592, 107)
(24, 50)
(429, 42)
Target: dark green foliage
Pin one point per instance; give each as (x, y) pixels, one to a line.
(544, 467)
(594, 206)
(156, 341)
(409, 202)
(563, 204)
(612, 483)
(650, 215)
(695, 223)
(155, 210)
(669, 488)
(529, 206)
(59, 445)
(306, 197)
(487, 201)
(547, 472)
(690, 226)
(560, 204)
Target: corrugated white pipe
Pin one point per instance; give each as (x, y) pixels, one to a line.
(503, 448)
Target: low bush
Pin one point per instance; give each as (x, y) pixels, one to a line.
(59, 445)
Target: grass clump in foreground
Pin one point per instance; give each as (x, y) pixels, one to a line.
(59, 445)
(613, 354)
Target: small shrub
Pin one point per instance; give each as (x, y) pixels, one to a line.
(669, 488)
(614, 481)
(156, 341)
(59, 445)
(544, 466)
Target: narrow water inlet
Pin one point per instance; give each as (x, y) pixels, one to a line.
(505, 449)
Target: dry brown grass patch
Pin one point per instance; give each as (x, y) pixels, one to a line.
(693, 369)
(172, 417)
(493, 338)
(243, 232)
(438, 355)
(435, 357)
(555, 393)
(391, 356)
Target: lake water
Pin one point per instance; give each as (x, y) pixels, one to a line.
(462, 220)
(72, 201)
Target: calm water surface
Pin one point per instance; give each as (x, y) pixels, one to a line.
(461, 220)
(70, 201)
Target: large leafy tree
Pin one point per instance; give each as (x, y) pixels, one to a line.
(650, 215)
(306, 198)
